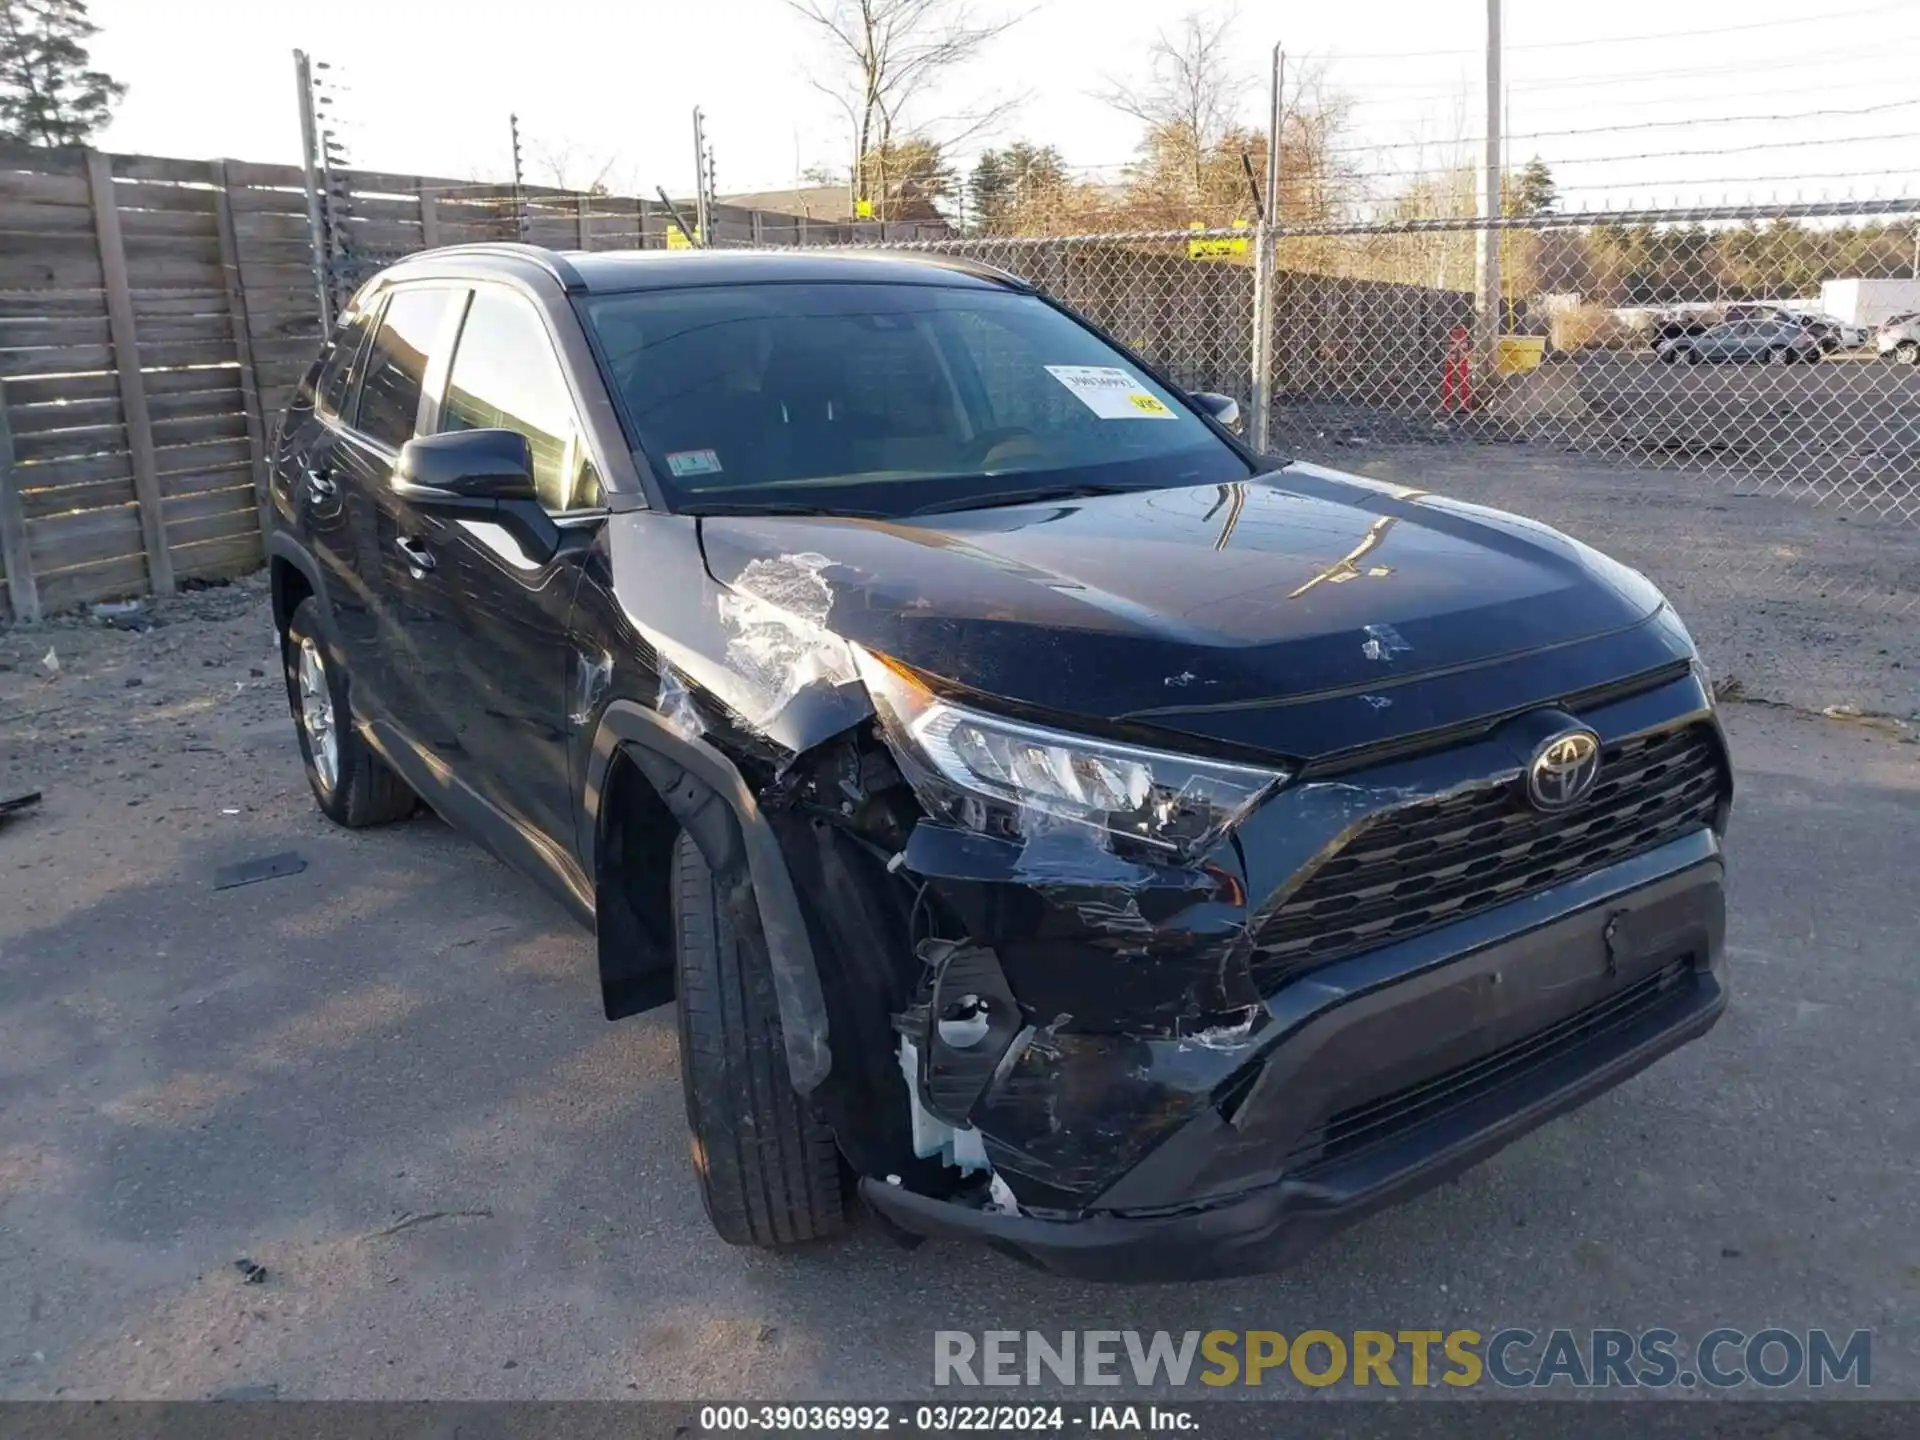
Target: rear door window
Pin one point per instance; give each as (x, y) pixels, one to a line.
(396, 367)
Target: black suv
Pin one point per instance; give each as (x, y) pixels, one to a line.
(1064, 825)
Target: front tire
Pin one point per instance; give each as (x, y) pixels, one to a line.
(351, 784)
(1907, 352)
(768, 1166)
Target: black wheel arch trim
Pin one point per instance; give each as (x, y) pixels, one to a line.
(706, 793)
(283, 546)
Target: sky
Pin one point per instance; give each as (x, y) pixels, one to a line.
(1672, 100)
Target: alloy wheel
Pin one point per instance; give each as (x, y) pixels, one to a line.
(316, 713)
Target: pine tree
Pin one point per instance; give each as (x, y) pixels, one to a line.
(48, 95)
(990, 189)
(1010, 186)
(1532, 191)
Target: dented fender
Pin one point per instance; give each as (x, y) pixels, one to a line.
(709, 797)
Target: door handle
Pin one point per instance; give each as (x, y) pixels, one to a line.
(419, 559)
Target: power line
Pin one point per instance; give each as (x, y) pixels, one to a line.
(1716, 31)
(1903, 83)
(1569, 161)
(1640, 125)
(1575, 162)
(1635, 77)
(1741, 149)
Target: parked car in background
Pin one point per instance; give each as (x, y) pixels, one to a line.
(1899, 339)
(1774, 341)
(1831, 331)
(1678, 325)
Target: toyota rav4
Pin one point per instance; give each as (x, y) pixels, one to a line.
(1054, 822)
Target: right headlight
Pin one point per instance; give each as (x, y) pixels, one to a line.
(995, 774)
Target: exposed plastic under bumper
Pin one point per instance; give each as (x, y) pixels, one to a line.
(1266, 1228)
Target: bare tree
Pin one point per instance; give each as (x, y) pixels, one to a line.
(887, 59)
(1197, 154)
(567, 167)
(1192, 92)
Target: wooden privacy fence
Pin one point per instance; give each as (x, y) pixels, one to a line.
(156, 314)
(132, 431)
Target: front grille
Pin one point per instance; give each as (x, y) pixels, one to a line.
(1360, 1128)
(1437, 861)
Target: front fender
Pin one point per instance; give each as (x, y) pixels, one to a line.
(707, 795)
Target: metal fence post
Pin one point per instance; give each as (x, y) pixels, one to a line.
(309, 169)
(21, 589)
(1261, 428)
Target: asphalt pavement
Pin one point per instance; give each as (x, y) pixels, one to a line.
(360, 1131)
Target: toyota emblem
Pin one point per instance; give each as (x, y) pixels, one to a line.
(1563, 770)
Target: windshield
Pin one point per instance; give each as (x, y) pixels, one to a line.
(884, 399)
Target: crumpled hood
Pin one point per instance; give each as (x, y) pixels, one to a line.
(1172, 606)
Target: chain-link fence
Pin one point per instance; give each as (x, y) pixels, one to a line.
(1655, 367)
(1745, 347)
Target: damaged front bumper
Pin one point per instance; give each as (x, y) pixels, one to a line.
(1387, 1074)
(1169, 1082)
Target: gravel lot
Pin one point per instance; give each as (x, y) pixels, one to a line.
(385, 1080)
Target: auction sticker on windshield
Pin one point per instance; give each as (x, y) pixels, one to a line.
(693, 462)
(1110, 392)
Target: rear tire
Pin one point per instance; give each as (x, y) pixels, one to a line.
(1779, 355)
(1907, 352)
(351, 784)
(768, 1166)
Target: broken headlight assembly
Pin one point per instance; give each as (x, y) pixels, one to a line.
(1003, 776)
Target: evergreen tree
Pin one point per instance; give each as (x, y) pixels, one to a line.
(48, 95)
(1532, 191)
(990, 191)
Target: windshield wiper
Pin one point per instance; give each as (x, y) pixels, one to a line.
(1024, 497)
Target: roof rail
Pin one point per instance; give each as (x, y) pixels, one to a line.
(550, 261)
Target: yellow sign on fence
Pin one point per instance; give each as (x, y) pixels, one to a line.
(1518, 354)
(1225, 247)
(677, 238)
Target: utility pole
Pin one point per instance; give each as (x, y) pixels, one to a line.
(1266, 245)
(310, 174)
(1487, 255)
(519, 196)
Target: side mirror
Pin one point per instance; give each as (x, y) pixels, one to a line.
(450, 471)
(478, 475)
(1224, 409)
